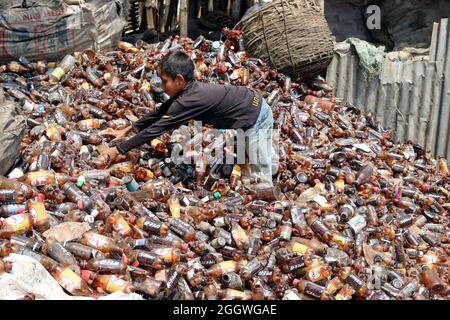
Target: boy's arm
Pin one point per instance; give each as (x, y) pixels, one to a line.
(173, 118)
(151, 117)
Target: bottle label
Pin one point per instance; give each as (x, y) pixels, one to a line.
(116, 284)
(122, 227)
(7, 195)
(58, 73)
(232, 293)
(285, 232)
(314, 274)
(228, 266)
(296, 263)
(13, 209)
(340, 240)
(175, 210)
(354, 281)
(164, 253)
(299, 248)
(38, 212)
(314, 290)
(97, 240)
(152, 226)
(19, 223)
(69, 280)
(14, 67)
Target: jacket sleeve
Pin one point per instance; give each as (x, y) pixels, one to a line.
(151, 117)
(175, 116)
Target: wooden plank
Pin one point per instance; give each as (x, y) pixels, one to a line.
(184, 4)
(210, 5)
(165, 14)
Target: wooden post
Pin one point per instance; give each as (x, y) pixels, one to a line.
(150, 11)
(165, 13)
(175, 17)
(235, 9)
(199, 9)
(184, 4)
(210, 5)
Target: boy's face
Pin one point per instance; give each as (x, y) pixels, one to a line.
(173, 86)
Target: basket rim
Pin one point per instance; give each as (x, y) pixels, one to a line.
(257, 12)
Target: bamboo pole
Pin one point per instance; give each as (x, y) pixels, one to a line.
(235, 9)
(184, 4)
(150, 11)
(199, 9)
(165, 13)
(210, 5)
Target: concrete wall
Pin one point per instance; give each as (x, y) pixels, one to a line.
(405, 23)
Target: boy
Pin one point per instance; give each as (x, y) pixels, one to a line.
(222, 106)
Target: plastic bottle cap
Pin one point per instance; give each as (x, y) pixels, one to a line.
(85, 275)
(217, 195)
(184, 247)
(135, 264)
(80, 181)
(376, 189)
(94, 213)
(89, 219)
(41, 196)
(295, 282)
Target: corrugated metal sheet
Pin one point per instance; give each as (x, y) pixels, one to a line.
(410, 97)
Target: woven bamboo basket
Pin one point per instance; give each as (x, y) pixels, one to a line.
(291, 35)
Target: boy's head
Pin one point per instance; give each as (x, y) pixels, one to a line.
(176, 70)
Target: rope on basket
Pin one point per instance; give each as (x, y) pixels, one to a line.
(265, 38)
(287, 42)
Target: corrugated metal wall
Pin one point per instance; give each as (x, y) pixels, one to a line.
(411, 97)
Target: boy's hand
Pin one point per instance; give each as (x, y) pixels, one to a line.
(111, 152)
(117, 134)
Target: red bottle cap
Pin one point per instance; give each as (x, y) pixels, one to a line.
(295, 282)
(185, 247)
(86, 275)
(135, 264)
(41, 196)
(376, 189)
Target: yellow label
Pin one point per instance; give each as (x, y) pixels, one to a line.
(236, 293)
(121, 226)
(165, 254)
(123, 166)
(52, 131)
(14, 67)
(69, 280)
(339, 296)
(430, 258)
(175, 210)
(339, 240)
(299, 248)
(314, 274)
(97, 240)
(155, 142)
(38, 178)
(116, 284)
(236, 170)
(228, 266)
(38, 212)
(58, 73)
(19, 222)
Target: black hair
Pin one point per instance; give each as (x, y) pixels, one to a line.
(175, 63)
